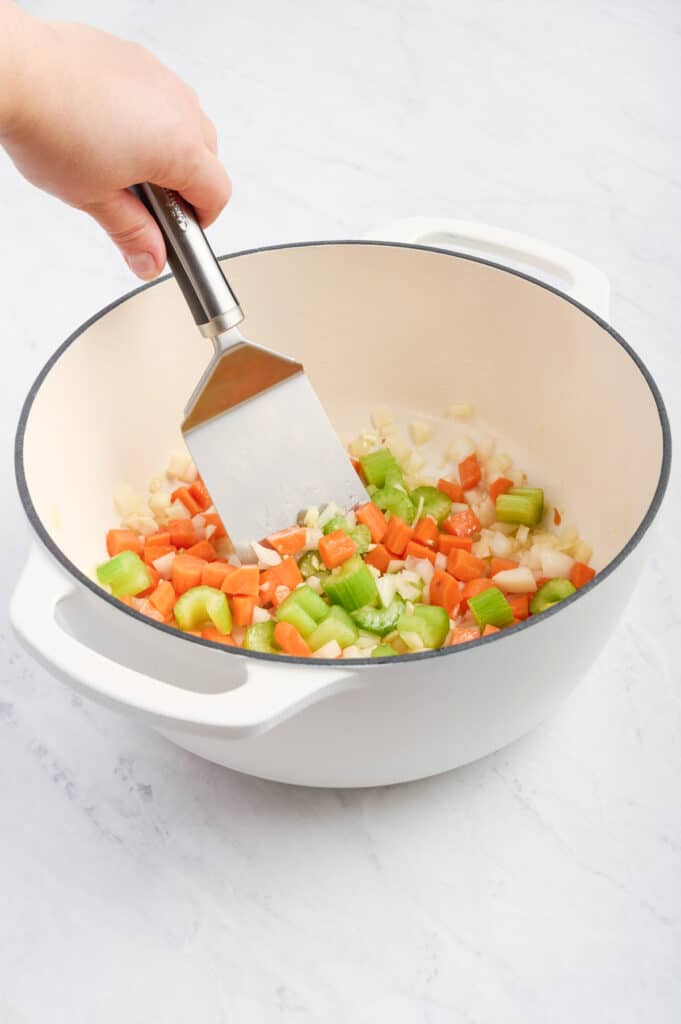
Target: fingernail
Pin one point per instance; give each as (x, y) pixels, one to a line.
(142, 264)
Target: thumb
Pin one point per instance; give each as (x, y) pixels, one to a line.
(132, 228)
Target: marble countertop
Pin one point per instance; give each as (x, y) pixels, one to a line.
(140, 884)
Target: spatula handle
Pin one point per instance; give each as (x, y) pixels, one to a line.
(212, 302)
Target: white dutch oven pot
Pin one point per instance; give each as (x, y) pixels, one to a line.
(412, 327)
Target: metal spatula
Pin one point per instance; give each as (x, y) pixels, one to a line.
(254, 425)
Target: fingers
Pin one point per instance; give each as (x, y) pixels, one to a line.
(210, 136)
(134, 231)
(198, 175)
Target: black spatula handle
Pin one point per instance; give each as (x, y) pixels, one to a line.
(213, 304)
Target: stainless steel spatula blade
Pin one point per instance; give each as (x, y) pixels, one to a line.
(254, 425)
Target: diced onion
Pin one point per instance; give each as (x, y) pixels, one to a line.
(440, 560)
(311, 517)
(259, 615)
(329, 512)
(387, 588)
(329, 650)
(582, 551)
(522, 533)
(190, 473)
(395, 564)
(352, 652)
(267, 557)
(463, 411)
(127, 500)
(281, 593)
(164, 565)
(555, 563)
(486, 512)
(178, 511)
(500, 545)
(210, 530)
(420, 431)
(413, 641)
(382, 417)
(516, 581)
(312, 538)
(178, 464)
(314, 583)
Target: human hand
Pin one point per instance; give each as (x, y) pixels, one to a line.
(84, 115)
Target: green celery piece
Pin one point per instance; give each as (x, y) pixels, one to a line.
(200, 605)
(380, 620)
(518, 508)
(435, 503)
(336, 626)
(361, 535)
(311, 565)
(337, 523)
(310, 602)
(376, 464)
(394, 478)
(371, 489)
(260, 637)
(352, 586)
(293, 612)
(390, 499)
(125, 573)
(384, 651)
(490, 608)
(429, 621)
(550, 593)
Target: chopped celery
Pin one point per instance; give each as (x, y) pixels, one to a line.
(352, 586)
(125, 573)
(394, 478)
(384, 651)
(336, 626)
(390, 499)
(380, 620)
(428, 621)
(303, 609)
(550, 593)
(200, 605)
(337, 523)
(260, 637)
(435, 503)
(376, 464)
(311, 565)
(523, 505)
(361, 535)
(490, 608)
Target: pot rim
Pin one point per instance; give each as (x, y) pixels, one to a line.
(531, 622)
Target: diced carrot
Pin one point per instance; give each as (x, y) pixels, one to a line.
(371, 516)
(500, 486)
(288, 574)
(127, 600)
(445, 591)
(213, 574)
(191, 632)
(268, 582)
(290, 640)
(152, 552)
(469, 472)
(447, 543)
(184, 495)
(357, 466)
(462, 524)
(335, 548)
(290, 541)
(186, 572)
(427, 532)
(159, 539)
(123, 540)
(520, 605)
(581, 574)
(488, 630)
(182, 533)
(211, 633)
(557, 517)
(243, 581)
(154, 576)
(213, 519)
(501, 564)
(453, 490)
(163, 597)
(463, 634)
(473, 587)
(417, 550)
(199, 493)
(379, 557)
(203, 549)
(145, 607)
(397, 536)
(465, 566)
(242, 608)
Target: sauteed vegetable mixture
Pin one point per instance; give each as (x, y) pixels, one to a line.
(423, 564)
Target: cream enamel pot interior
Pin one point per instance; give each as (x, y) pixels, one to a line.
(404, 325)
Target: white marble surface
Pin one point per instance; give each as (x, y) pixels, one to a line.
(543, 884)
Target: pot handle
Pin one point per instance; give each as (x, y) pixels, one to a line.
(569, 273)
(272, 692)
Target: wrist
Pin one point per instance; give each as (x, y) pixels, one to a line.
(14, 57)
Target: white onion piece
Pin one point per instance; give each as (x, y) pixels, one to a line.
(164, 565)
(260, 615)
(178, 463)
(178, 511)
(440, 560)
(314, 583)
(312, 538)
(395, 564)
(352, 652)
(127, 500)
(190, 473)
(198, 521)
(266, 557)
(209, 531)
(500, 545)
(413, 641)
(516, 581)
(387, 588)
(555, 563)
(522, 533)
(351, 518)
(330, 650)
(281, 593)
(329, 512)
(422, 567)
